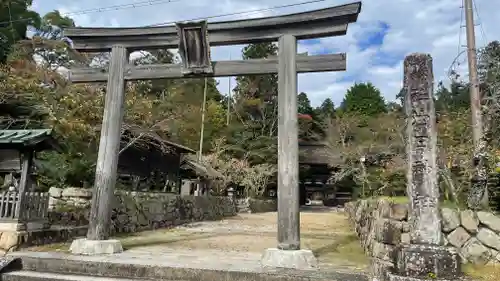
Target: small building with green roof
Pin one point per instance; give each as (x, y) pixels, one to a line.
(22, 206)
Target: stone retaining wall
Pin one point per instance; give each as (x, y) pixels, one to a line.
(69, 197)
(382, 226)
(138, 211)
(252, 205)
(132, 212)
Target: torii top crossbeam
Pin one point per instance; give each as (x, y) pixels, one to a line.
(307, 25)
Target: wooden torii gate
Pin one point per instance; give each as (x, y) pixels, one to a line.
(194, 40)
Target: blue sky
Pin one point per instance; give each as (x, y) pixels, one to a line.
(376, 45)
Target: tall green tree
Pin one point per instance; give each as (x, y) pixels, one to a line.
(15, 18)
(254, 127)
(263, 87)
(394, 107)
(489, 77)
(304, 104)
(363, 99)
(46, 44)
(326, 109)
(54, 51)
(401, 97)
(489, 64)
(306, 116)
(53, 24)
(159, 87)
(455, 98)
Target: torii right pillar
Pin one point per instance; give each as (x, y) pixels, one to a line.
(288, 253)
(426, 257)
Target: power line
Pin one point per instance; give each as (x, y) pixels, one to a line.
(460, 28)
(242, 12)
(133, 5)
(483, 34)
(236, 13)
(158, 2)
(123, 6)
(460, 52)
(456, 61)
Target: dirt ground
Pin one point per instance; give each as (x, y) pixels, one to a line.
(326, 233)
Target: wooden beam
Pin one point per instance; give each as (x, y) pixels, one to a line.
(109, 146)
(288, 147)
(319, 63)
(304, 54)
(312, 24)
(27, 158)
(348, 10)
(216, 38)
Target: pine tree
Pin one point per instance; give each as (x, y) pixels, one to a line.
(363, 99)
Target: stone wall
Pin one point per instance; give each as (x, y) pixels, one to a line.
(69, 197)
(132, 212)
(138, 211)
(382, 226)
(252, 205)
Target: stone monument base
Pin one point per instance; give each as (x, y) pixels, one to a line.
(426, 262)
(95, 247)
(295, 259)
(392, 277)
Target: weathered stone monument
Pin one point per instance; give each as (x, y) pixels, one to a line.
(426, 257)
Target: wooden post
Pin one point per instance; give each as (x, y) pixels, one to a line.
(27, 158)
(109, 145)
(288, 148)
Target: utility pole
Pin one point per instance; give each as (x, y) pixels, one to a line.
(228, 99)
(478, 192)
(475, 97)
(202, 129)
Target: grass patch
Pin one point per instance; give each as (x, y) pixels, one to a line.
(406, 200)
(55, 247)
(345, 250)
(395, 199)
(482, 272)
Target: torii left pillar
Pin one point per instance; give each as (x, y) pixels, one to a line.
(97, 241)
(288, 253)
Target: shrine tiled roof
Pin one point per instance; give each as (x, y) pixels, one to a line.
(26, 138)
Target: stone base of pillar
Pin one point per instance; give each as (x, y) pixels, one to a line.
(95, 247)
(393, 277)
(294, 259)
(424, 262)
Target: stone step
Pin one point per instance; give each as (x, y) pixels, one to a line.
(25, 275)
(140, 268)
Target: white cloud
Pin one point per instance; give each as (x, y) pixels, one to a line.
(428, 26)
(334, 91)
